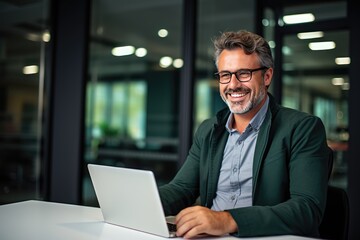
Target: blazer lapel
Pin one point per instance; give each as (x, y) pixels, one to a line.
(217, 146)
(260, 148)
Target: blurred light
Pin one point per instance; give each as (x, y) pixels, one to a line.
(165, 62)
(46, 36)
(33, 37)
(272, 44)
(322, 45)
(265, 22)
(280, 22)
(31, 69)
(310, 35)
(342, 60)
(337, 81)
(123, 51)
(340, 82)
(141, 52)
(163, 33)
(100, 30)
(178, 63)
(96, 132)
(299, 18)
(286, 50)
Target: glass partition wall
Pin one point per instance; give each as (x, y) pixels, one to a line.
(23, 36)
(314, 69)
(132, 90)
(322, 91)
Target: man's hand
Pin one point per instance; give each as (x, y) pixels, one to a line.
(197, 221)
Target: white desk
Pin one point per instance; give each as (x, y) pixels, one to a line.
(39, 220)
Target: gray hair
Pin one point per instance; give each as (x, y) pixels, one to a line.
(249, 42)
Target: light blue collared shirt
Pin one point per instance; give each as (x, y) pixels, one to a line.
(234, 188)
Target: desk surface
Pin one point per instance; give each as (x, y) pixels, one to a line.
(42, 220)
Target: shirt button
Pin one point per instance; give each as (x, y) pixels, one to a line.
(232, 198)
(234, 169)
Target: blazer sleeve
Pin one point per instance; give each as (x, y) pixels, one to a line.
(183, 190)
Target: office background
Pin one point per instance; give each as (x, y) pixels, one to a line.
(126, 83)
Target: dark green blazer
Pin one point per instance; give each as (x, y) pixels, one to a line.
(290, 174)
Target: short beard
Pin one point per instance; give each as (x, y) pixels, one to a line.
(254, 102)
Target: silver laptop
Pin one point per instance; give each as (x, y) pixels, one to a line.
(130, 198)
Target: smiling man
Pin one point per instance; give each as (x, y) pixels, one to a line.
(259, 168)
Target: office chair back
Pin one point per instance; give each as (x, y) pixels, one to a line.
(335, 224)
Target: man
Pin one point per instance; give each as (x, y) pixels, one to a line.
(258, 168)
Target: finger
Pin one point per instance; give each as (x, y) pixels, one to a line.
(185, 215)
(195, 232)
(185, 225)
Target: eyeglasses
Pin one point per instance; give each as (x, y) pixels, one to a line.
(242, 75)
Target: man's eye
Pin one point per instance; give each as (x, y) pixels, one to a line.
(225, 75)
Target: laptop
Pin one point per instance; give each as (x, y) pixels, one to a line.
(130, 198)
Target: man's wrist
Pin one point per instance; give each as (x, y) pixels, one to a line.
(230, 224)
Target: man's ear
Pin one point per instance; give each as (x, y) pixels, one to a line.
(268, 77)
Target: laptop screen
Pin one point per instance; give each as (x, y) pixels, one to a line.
(129, 198)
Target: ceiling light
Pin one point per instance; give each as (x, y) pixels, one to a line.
(123, 51)
(141, 52)
(337, 81)
(299, 18)
(315, 46)
(272, 44)
(165, 62)
(178, 63)
(31, 69)
(46, 36)
(265, 22)
(342, 60)
(310, 35)
(163, 33)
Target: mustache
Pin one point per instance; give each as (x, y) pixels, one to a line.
(236, 90)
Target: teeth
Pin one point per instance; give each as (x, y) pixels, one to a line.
(238, 94)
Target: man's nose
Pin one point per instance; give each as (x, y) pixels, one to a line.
(233, 80)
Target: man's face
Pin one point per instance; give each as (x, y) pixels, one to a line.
(243, 97)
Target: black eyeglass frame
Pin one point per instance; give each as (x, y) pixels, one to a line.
(217, 75)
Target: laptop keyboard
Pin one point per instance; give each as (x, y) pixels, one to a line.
(171, 227)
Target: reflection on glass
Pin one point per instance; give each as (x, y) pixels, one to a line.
(132, 93)
(21, 81)
(314, 83)
(320, 11)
